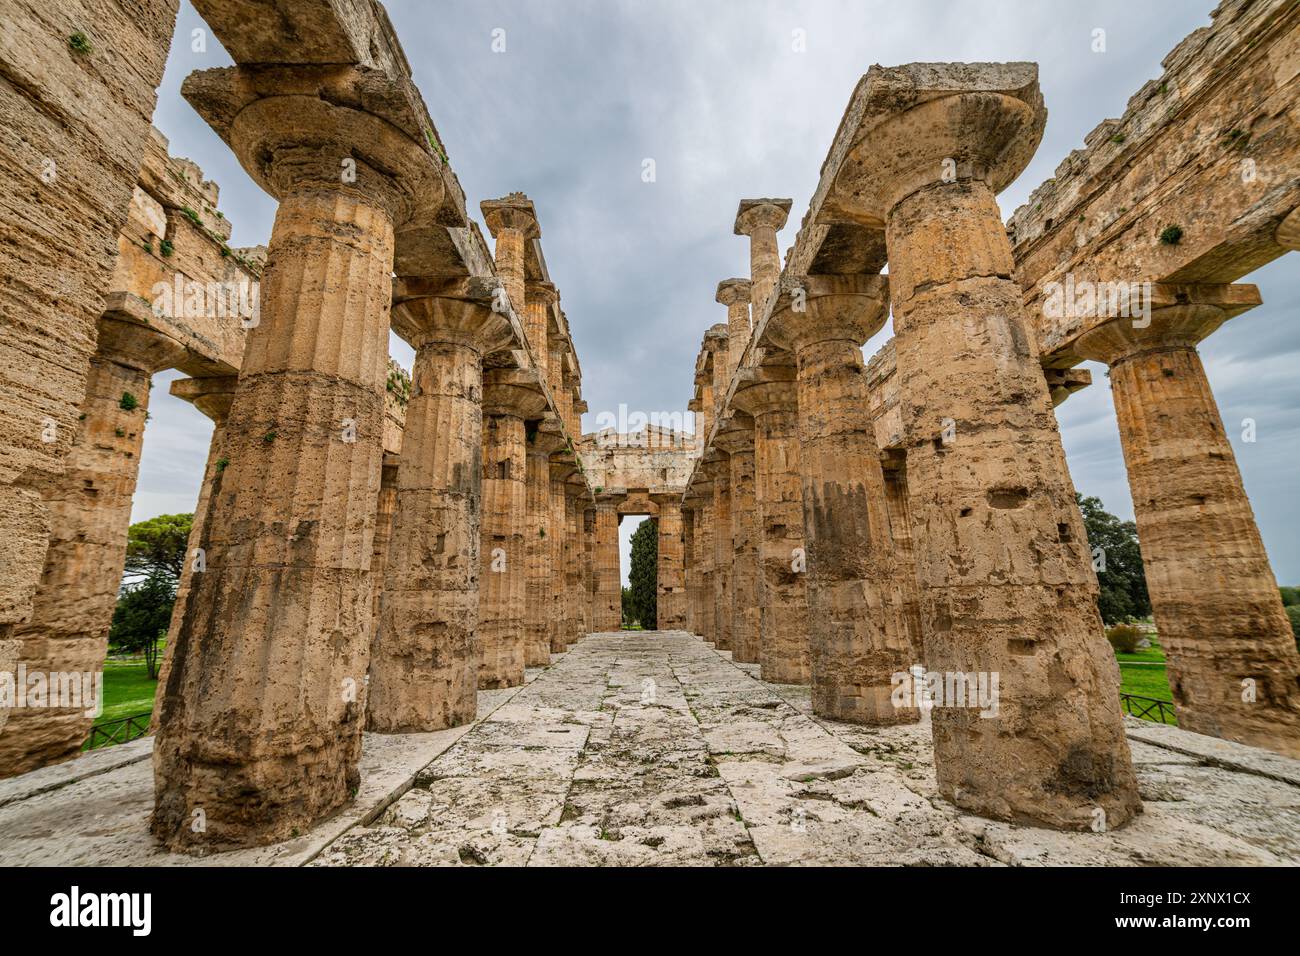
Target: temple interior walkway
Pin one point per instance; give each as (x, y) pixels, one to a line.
(652, 748)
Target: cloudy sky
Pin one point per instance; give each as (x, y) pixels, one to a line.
(716, 94)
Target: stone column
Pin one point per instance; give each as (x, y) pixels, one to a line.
(537, 310)
(543, 535)
(424, 657)
(212, 396)
(736, 437)
(734, 294)
(688, 566)
(760, 219)
(704, 557)
(384, 509)
(1003, 564)
(858, 638)
(723, 551)
(1232, 660)
(609, 594)
(283, 611)
(513, 223)
(768, 393)
(900, 524)
(670, 572)
(575, 491)
(89, 506)
(510, 399)
(589, 568)
(560, 635)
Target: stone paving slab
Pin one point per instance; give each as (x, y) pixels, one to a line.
(654, 749)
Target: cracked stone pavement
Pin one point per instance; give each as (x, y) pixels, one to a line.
(651, 748)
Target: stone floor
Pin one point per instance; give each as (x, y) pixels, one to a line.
(651, 748)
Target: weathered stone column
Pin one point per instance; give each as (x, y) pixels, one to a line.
(760, 219)
(575, 493)
(283, 612)
(768, 394)
(670, 599)
(858, 638)
(688, 566)
(537, 309)
(542, 533)
(559, 634)
(1233, 667)
(212, 396)
(589, 568)
(1003, 564)
(384, 510)
(722, 549)
(734, 294)
(512, 220)
(511, 398)
(609, 595)
(900, 524)
(704, 557)
(89, 506)
(736, 437)
(424, 658)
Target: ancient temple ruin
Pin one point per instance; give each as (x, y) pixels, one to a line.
(381, 563)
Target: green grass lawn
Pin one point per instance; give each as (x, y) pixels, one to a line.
(1144, 680)
(127, 690)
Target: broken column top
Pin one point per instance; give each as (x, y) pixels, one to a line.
(754, 213)
(731, 291)
(514, 211)
(912, 125)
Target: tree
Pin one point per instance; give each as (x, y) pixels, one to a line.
(1118, 561)
(157, 546)
(643, 576)
(141, 617)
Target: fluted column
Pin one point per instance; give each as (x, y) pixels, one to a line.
(760, 219)
(588, 569)
(736, 437)
(89, 508)
(542, 533)
(513, 223)
(734, 294)
(609, 594)
(212, 396)
(541, 296)
(1232, 660)
(1003, 564)
(559, 633)
(670, 582)
(424, 656)
(900, 525)
(722, 552)
(385, 507)
(510, 399)
(858, 639)
(704, 557)
(769, 395)
(283, 611)
(688, 566)
(575, 493)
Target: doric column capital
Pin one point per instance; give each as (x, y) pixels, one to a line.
(735, 434)
(542, 293)
(733, 292)
(820, 308)
(465, 310)
(928, 123)
(754, 215)
(514, 213)
(212, 395)
(290, 130)
(1181, 317)
(513, 391)
(765, 389)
